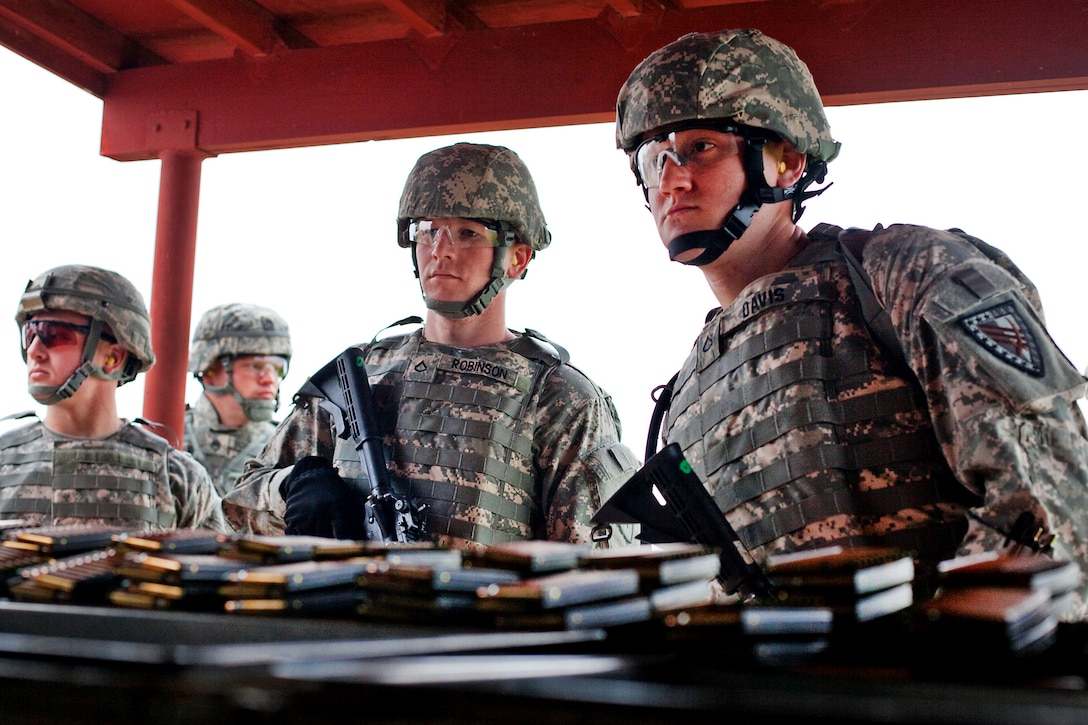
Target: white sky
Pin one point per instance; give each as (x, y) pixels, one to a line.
(311, 232)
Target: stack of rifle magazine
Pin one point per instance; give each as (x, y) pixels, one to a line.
(1030, 571)
(74, 562)
(766, 634)
(316, 588)
(62, 540)
(12, 561)
(327, 581)
(603, 589)
(544, 585)
(173, 569)
(267, 550)
(678, 578)
(421, 591)
(188, 582)
(858, 585)
(173, 541)
(1002, 605)
(79, 578)
(533, 558)
(989, 621)
(672, 575)
(312, 576)
(519, 585)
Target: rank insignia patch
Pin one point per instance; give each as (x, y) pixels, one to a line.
(1003, 331)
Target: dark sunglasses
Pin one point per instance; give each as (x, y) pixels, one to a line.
(54, 333)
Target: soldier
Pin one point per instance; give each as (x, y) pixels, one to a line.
(85, 331)
(789, 407)
(240, 353)
(493, 431)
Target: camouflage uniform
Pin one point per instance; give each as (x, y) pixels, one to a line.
(803, 427)
(222, 334)
(222, 450)
(502, 442)
(131, 478)
(807, 435)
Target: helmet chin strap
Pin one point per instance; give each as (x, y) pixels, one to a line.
(53, 394)
(498, 282)
(713, 242)
(757, 192)
(457, 310)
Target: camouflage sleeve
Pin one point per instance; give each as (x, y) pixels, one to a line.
(580, 461)
(1002, 396)
(254, 505)
(198, 503)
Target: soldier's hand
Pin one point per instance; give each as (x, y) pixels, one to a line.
(320, 502)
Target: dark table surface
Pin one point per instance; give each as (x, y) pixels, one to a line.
(78, 664)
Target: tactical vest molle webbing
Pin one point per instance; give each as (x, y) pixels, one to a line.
(800, 428)
(223, 452)
(121, 480)
(461, 430)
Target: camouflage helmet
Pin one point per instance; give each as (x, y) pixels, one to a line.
(474, 181)
(238, 329)
(738, 75)
(99, 294)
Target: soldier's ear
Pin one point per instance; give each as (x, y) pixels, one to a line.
(115, 358)
(789, 167)
(517, 260)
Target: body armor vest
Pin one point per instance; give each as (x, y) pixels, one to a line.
(122, 480)
(223, 452)
(803, 434)
(458, 427)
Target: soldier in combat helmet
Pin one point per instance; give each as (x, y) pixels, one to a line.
(492, 430)
(240, 353)
(85, 331)
(795, 412)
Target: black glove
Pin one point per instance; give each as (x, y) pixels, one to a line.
(320, 502)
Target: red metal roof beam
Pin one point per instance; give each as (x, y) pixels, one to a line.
(74, 32)
(247, 26)
(426, 17)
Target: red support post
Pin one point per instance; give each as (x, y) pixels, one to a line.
(172, 291)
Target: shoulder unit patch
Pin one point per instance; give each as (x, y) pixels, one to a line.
(1002, 330)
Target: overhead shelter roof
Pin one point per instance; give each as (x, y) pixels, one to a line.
(261, 74)
(182, 80)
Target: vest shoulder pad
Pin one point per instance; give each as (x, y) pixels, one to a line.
(534, 345)
(139, 436)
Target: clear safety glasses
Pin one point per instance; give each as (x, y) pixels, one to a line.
(261, 366)
(695, 149)
(462, 233)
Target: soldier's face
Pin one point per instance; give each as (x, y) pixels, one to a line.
(55, 351)
(258, 376)
(695, 190)
(450, 272)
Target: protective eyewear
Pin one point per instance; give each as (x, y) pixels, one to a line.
(260, 366)
(54, 333)
(461, 233)
(694, 149)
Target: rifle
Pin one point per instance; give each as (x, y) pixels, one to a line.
(344, 392)
(671, 503)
